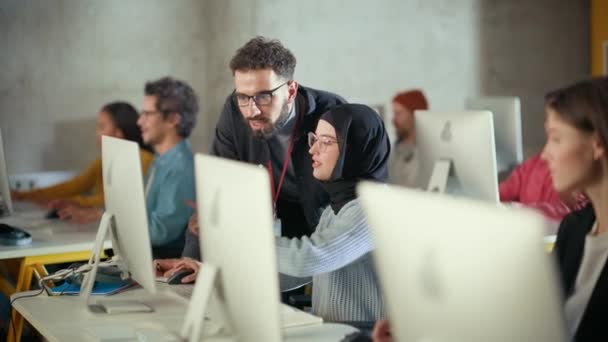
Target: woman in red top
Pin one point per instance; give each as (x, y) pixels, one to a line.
(531, 185)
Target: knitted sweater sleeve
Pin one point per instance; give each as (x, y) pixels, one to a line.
(337, 241)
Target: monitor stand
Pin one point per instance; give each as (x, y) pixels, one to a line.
(106, 307)
(206, 297)
(4, 209)
(444, 179)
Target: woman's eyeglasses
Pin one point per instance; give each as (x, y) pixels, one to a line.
(323, 141)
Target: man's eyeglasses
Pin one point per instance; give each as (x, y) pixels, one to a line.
(323, 141)
(263, 98)
(148, 113)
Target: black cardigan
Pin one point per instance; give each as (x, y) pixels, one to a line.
(569, 248)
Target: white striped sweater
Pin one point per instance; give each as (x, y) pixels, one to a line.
(338, 257)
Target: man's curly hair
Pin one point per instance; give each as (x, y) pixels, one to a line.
(263, 53)
(175, 96)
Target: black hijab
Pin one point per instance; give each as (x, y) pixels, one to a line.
(364, 149)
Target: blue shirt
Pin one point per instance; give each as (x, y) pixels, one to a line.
(172, 177)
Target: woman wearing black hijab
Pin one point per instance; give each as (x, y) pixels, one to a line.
(350, 144)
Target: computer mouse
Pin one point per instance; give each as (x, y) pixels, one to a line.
(52, 214)
(177, 276)
(13, 236)
(357, 337)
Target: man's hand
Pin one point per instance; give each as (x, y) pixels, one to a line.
(166, 268)
(187, 263)
(193, 222)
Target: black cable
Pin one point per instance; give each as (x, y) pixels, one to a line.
(10, 317)
(42, 289)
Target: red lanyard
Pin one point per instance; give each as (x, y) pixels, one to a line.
(275, 192)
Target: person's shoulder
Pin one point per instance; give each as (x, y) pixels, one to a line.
(351, 210)
(229, 108)
(230, 117)
(577, 222)
(145, 155)
(94, 168)
(322, 99)
(535, 163)
(96, 163)
(182, 155)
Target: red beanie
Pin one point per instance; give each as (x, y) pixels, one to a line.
(412, 100)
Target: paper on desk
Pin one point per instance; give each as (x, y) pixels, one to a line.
(292, 317)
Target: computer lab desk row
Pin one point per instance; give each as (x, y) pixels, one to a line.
(67, 318)
(53, 242)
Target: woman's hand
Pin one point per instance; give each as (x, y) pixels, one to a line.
(79, 215)
(382, 332)
(60, 203)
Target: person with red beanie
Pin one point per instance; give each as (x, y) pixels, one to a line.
(403, 162)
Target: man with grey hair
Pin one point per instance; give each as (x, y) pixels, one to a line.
(166, 121)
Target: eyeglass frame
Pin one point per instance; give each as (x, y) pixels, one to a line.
(250, 98)
(323, 146)
(148, 113)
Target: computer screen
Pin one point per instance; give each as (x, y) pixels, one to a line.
(125, 217)
(455, 269)
(466, 141)
(506, 112)
(236, 236)
(124, 198)
(6, 204)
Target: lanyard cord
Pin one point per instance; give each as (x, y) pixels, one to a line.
(275, 191)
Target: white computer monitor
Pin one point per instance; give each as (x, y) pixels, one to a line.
(238, 252)
(506, 112)
(455, 269)
(125, 220)
(457, 154)
(6, 205)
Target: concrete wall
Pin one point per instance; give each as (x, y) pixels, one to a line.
(529, 48)
(61, 60)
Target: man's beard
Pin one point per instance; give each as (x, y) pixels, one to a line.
(270, 128)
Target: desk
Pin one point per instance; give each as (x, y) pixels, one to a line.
(53, 242)
(66, 318)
